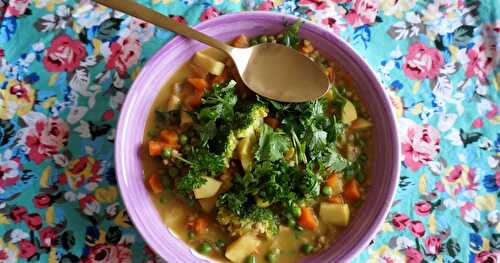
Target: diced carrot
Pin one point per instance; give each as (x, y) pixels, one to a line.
(331, 180)
(241, 41)
(169, 137)
(155, 148)
(336, 199)
(155, 184)
(351, 190)
(198, 83)
(307, 49)
(307, 219)
(329, 73)
(193, 101)
(271, 121)
(200, 225)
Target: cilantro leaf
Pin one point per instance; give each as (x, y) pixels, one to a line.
(333, 159)
(291, 34)
(272, 145)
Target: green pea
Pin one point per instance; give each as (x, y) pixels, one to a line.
(272, 256)
(327, 190)
(296, 211)
(166, 153)
(220, 244)
(263, 39)
(291, 223)
(205, 248)
(190, 234)
(254, 42)
(183, 139)
(307, 248)
(251, 259)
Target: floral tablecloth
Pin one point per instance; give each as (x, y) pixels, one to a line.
(65, 67)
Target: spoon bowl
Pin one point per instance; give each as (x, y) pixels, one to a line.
(280, 73)
(270, 70)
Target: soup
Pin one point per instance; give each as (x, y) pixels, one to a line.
(241, 178)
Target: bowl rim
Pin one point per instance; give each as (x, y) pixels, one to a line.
(393, 183)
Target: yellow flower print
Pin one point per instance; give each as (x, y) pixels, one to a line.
(385, 253)
(122, 219)
(396, 102)
(106, 194)
(81, 171)
(455, 180)
(396, 8)
(18, 98)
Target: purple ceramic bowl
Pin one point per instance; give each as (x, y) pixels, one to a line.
(135, 110)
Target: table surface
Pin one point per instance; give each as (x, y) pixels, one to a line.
(65, 67)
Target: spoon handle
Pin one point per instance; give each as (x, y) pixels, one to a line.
(139, 11)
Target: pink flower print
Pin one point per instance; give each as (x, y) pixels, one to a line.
(420, 145)
(10, 170)
(266, 6)
(481, 61)
(423, 208)
(477, 123)
(417, 228)
(432, 245)
(64, 54)
(362, 12)
(109, 253)
(422, 62)
(17, 7)
(413, 256)
(400, 221)
(316, 4)
(493, 112)
(124, 54)
(210, 12)
(44, 137)
(487, 257)
(26, 249)
(469, 212)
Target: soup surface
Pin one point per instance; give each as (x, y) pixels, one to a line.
(244, 179)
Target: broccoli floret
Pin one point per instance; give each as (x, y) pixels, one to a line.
(250, 119)
(225, 144)
(259, 221)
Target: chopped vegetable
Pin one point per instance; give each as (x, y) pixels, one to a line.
(351, 190)
(155, 148)
(307, 248)
(245, 152)
(205, 248)
(335, 183)
(336, 214)
(208, 204)
(209, 64)
(307, 219)
(242, 247)
(336, 199)
(200, 225)
(155, 184)
(327, 190)
(361, 124)
(208, 189)
(169, 137)
(200, 84)
(241, 41)
(349, 113)
(251, 259)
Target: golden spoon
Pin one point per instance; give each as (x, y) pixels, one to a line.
(270, 70)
